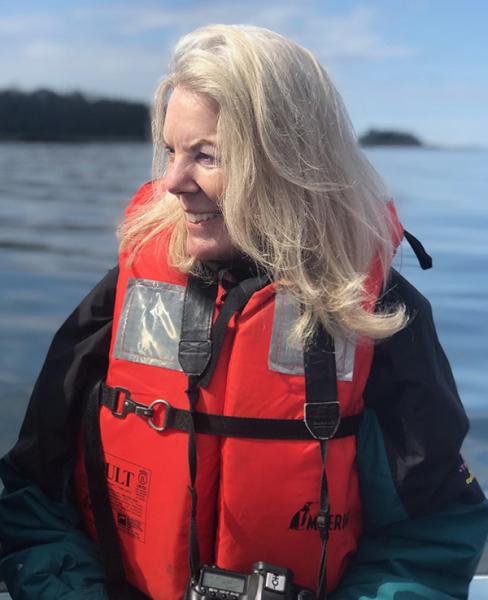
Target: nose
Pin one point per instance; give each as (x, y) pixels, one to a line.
(179, 178)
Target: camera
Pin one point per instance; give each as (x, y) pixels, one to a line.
(266, 582)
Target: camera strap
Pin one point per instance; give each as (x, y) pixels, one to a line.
(199, 347)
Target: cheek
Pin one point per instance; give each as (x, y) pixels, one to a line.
(213, 186)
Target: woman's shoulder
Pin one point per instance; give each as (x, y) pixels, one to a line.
(399, 290)
(413, 356)
(142, 195)
(410, 371)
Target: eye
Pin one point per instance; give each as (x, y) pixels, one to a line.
(206, 159)
(170, 153)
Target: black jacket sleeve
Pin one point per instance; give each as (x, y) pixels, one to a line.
(44, 551)
(77, 358)
(425, 517)
(414, 396)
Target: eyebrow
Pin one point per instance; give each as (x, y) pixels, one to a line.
(196, 143)
(202, 142)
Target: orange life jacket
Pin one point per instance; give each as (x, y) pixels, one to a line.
(257, 499)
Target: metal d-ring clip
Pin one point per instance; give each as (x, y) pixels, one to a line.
(166, 415)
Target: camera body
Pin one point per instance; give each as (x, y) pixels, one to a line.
(266, 582)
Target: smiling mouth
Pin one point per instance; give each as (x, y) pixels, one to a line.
(200, 217)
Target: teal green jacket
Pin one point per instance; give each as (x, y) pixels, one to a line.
(425, 517)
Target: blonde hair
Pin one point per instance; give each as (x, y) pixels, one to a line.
(300, 197)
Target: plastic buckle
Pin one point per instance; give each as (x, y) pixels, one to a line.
(150, 408)
(126, 404)
(322, 419)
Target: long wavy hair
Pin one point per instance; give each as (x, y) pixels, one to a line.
(300, 198)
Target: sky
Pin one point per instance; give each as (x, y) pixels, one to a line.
(414, 65)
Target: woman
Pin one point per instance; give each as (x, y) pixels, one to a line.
(253, 332)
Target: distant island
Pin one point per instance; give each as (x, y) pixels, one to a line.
(378, 137)
(47, 116)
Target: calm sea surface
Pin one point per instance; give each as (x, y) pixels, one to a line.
(60, 203)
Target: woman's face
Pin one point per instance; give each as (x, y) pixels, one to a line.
(194, 175)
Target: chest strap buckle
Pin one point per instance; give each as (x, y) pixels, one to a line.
(322, 419)
(111, 398)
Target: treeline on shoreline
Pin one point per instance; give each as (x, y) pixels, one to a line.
(47, 116)
(44, 115)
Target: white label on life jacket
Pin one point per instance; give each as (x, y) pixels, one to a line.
(128, 486)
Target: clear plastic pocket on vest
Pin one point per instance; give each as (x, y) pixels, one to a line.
(150, 323)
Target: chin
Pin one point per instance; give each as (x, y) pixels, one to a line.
(210, 252)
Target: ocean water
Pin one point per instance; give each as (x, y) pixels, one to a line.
(60, 203)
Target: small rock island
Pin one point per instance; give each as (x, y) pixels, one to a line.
(379, 137)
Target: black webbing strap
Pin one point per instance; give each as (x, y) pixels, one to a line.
(322, 418)
(195, 346)
(108, 542)
(194, 352)
(425, 260)
(194, 548)
(161, 416)
(236, 299)
(323, 525)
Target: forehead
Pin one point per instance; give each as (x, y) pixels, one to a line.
(190, 117)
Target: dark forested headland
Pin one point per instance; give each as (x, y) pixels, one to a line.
(44, 115)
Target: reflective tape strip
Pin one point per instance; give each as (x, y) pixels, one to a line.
(150, 323)
(285, 357)
(345, 349)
